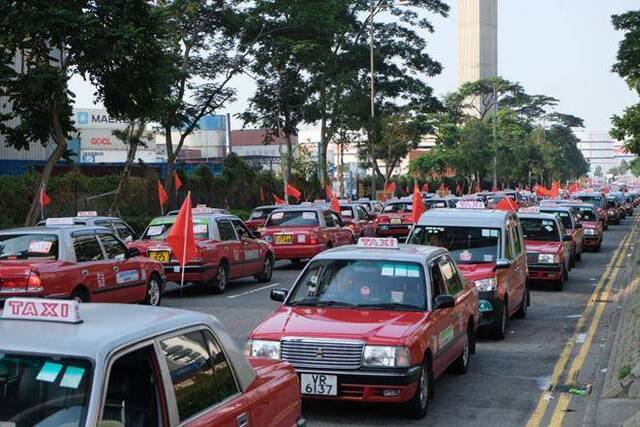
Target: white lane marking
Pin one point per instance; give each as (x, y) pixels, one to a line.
(574, 316)
(253, 291)
(580, 338)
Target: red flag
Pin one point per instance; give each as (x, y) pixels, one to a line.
(418, 205)
(177, 181)
(458, 190)
(277, 200)
(390, 187)
(180, 237)
(261, 195)
(293, 192)
(542, 191)
(328, 192)
(554, 193)
(507, 204)
(574, 188)
(162, 195)
(425, 187)
(335, 205)
(43, 198)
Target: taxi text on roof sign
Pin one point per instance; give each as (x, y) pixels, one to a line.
(41, 309)
(59, 221)
(530, 209)
(378, 242)
(201, 209)
(87, 213)
(470, 204)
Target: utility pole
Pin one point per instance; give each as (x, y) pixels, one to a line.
(495, 139)
(373, 94)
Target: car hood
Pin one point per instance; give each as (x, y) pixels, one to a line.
(371, 326)
(542, 246)
(478, 271)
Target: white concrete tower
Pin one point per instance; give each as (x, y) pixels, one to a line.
(477, 40)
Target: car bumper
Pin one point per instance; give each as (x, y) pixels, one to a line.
(545, 271)
(297, 251)
(394, 229)
(371, 385)
(589, 241)
(196, 273)
(488, 302)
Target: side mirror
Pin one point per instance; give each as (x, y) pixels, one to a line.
(578, 226)
(132, 253)
(256, 235)
(567, 238)
(279, 295)
(502, 263)
(444, 301)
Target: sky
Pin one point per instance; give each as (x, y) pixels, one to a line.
(560, 48)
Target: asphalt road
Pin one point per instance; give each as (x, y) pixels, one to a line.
(505, 379)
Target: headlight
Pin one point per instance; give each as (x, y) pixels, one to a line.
(486, 285)
(386, 357)
(262, 348)
(589, 231)
(547, 259)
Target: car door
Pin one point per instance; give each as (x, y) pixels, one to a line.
(253, 259)
(520, 262)
(367, 224)
(95, 270)
(331, 228)
(231, 248)
(455, 287)
(344, 234)
(127, 273)
(203, 383)
(444, 331)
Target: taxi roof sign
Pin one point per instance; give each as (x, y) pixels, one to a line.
(530, 209)
(470, 204)
(378, 242)
(202, 209)
(59, 221)
(87, 213)
(47, 310)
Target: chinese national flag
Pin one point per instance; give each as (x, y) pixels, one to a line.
(293, 192)
(43, 198)
(277, 200)
(328, 193)
(181, 238)
(335, 205)
(261, 194)
(177, 181)
(507, 204)
(162, 195)
(418, 205)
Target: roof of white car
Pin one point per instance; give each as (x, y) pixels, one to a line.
(464, 217)
(534, 215)
(410, 253)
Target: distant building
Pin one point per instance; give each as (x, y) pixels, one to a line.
(600, 150)
(260, 148)
(207, 141)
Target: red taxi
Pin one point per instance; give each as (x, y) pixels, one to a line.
(548, 247)
(591, 224)
(489, 249)
(598, 200)
(226, 248)
(301, 232)
(355, 217)
(374, 323)
(572, 227)
(396, 218)
(259, 216)
(62, 260)
(113, 365)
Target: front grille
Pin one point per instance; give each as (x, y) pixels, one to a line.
(532, 257)
(322, 354)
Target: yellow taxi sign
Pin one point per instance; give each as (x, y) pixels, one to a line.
(378, 242)
(47, 310)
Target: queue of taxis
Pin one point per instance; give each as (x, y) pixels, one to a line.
(376, 322)
(488, 247)
(396, 218)
(66, 363)
(360, 222)
(591, 224)
(63, 260)
(227, 250)
(259, 216)
(300, 232)
(572, 226)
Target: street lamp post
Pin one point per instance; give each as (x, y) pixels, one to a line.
(373, 94)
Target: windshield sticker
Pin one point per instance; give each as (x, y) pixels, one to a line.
(346, 213)
(200, 229)
(277, 215)
(40, 247)
(401, 270)
(465, 256)
(547, 222)
(397, 296)
(446, 336)
(413, 271)
(155, 230)
(127, 276)
(488, 258)
(72, 377)
(387, 270)
(434, 229)
(365, 291)
(548, 228)
(446, 271)
(486, 232)
(49, 372)
(308, 215)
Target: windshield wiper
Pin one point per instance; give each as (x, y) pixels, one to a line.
(322, 304)
(390, 305)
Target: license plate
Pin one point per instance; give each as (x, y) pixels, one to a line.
(319, 384)
(284, 239)
(160, 256)
(396, 221)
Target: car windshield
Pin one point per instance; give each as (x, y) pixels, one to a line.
(611, 204)
(28, 246)
(564, 216)
(292, 219)
(158, 230)
(261, 213)
(587, 214)
(43, 391)
(386, 285)
(594, 200)
(468, 245)
(540, 229)
(430, 204)
(346, 212)
(398, 207)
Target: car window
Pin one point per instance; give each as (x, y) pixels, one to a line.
(292, 219)
(508, 244)
(450, 275)
(468, 245)
(227, 232)
(124, 232)
(196, 383)
(241, 229)
(362, 213)
(540, 229)
(87, 247)
(114, 248)
(226, 384)
(336, 219)
(346, 212)
(329, 219)
(517, 239)
(28, 246)
(437, 282)
(133, 393)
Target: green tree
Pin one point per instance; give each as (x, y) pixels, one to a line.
(624, 167)
(627, 126)
(634, 167)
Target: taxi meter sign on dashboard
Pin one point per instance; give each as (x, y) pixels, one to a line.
(42, 309)
(377, 243)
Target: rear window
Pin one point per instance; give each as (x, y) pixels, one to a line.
(398, 207)
(587, 214)
(292, 219)
(159, 230)
(346, 211)
(468, 245)
(540, 229)
(261, 213)
(28, 246)
(564, 216)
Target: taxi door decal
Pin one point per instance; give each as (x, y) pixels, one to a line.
(445, 336)
(127, 277)
(251, 255)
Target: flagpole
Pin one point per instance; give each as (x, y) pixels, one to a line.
(40, 199)
(184, 248)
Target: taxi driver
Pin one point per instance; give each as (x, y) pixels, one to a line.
(345, 288)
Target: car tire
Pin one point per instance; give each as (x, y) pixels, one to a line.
(267, 270)
(153, 295)
(416, 408)
(598, 247)
(460, 366)
(522, 310)
(221, 280)
(558, 285)
(80, 295)
(499, 329)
